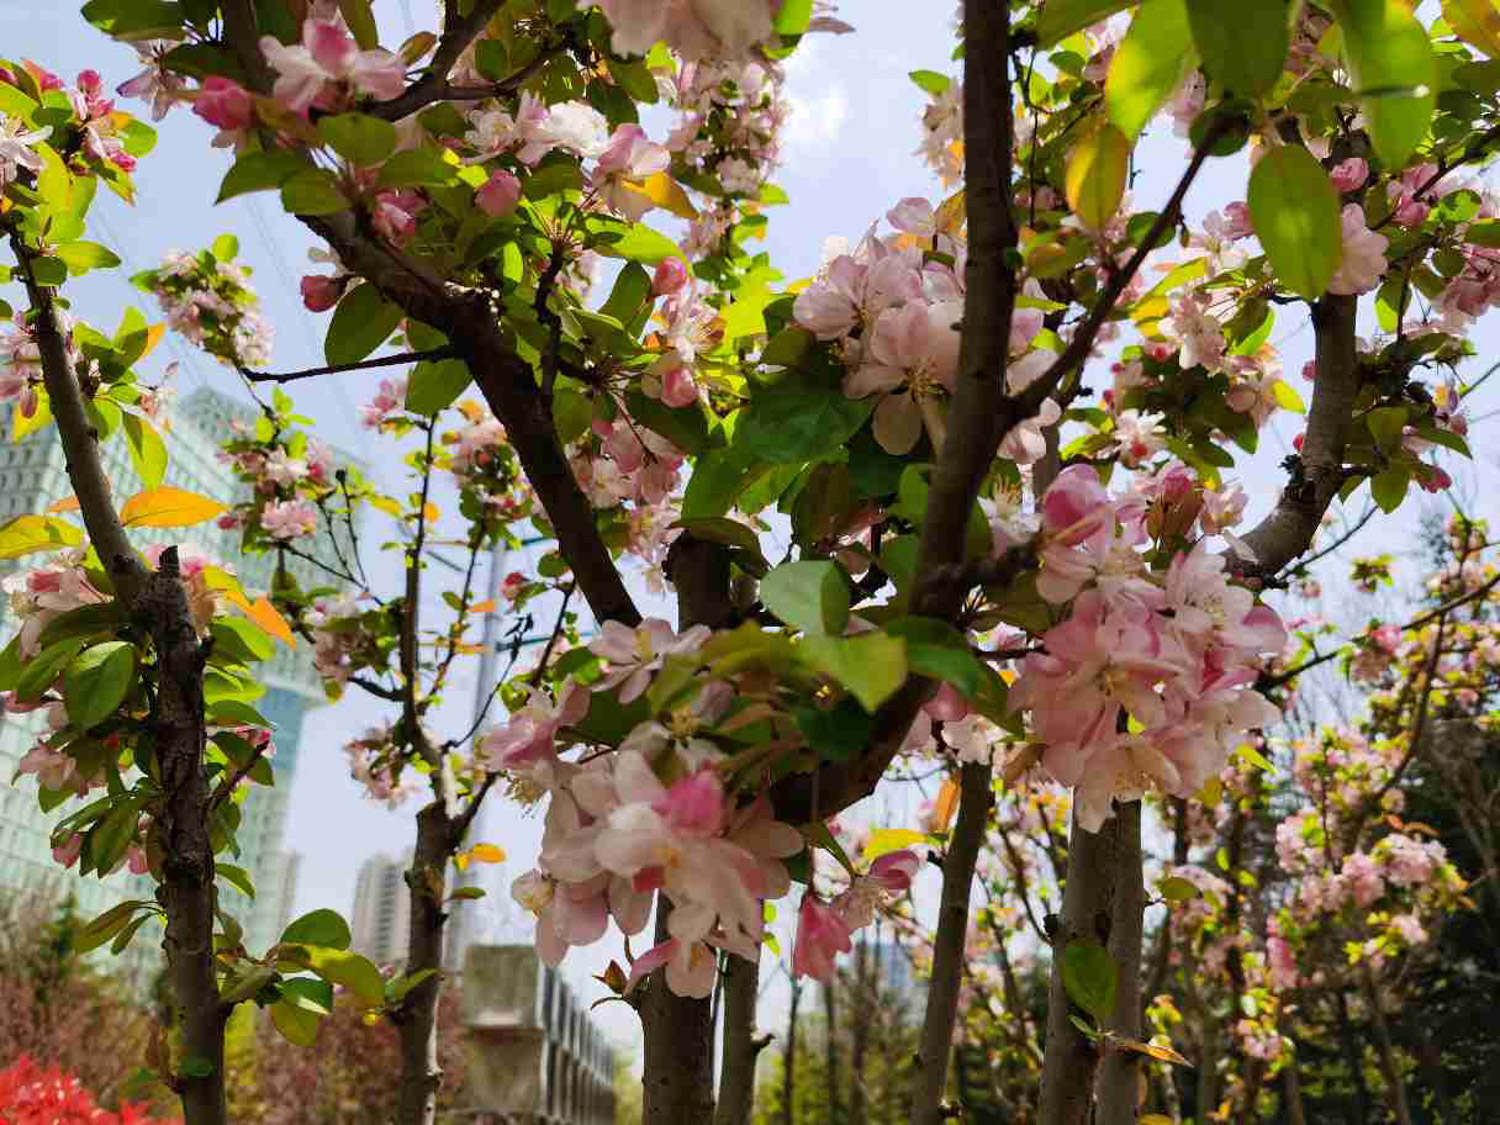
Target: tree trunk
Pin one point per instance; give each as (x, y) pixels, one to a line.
(679, 1030)
(186, 893)
(1295, 1114)
(831, 1044)
(976, 797)
(1120, 1075)
(417, 1018)
(1390, 1065)
(1353, 1057)
(1072, 1062)
(789, 1060)
(860, 1034)
(741, 1045)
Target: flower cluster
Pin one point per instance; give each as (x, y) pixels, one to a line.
(31, 1094)
(207, 298)
(1148, 681)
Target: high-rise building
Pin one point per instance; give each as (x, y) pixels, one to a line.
(382, 909)
(33, 476)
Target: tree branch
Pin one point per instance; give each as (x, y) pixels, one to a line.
(1287, 530)
(447, 352)
(975, 797)
(458, 33)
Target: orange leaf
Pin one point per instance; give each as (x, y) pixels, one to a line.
(264, 614)
(1152, 1050)
(66, 504)
(946, 805)
(154, 335)
(485, 606)
(169, 507)
(487, 853)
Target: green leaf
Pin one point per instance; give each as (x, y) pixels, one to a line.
(640, 243)
(309, 994)
(1090, 977)
(325, 928)
(793, 17)
(789, 427)
(360, 139)
(1295, 209)
(80, 257)
(225, 247)
(415, 167)
(931, 81)
(49, 271)
(787, 347)
(1391, 61)
(872, 666)
(436, 384)
(361, 21)
(113, 834)
(835, 734)
(96, 681)
(297, 1025)
(39, 673)
(1148, 64)
(1244, 43)
(313, 192)
(1386, 425)
(811, 595)
(148, 453)
(236, 877)
(1388, 487)
(1174, 888)
(99, 930)
(136, 19)
(631, 292)
(26, 535)
(362, 322)
(1061, 18)
(353, 972)
(938, 651)
(260, 171)
(685, 427)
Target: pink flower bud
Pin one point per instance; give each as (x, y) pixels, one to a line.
(678, 387)
(89, 81)
(670, 276)
(225, 103)
(500, 196)
(321, 293)
(821, 936)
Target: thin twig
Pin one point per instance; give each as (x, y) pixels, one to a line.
(447, 351)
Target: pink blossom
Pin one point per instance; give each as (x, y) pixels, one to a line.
(531, 733)
(225, 103)
(53, 768)
(391, 399)
(691, 967)
(328, 59)
(511, 587)
(394, 215)
(69, 850)
(696, 29)
(289, 519)
(822, 934)
(1222, 508)
(633, 654)
(1350, 175)
(1364, 254)
(630, 158)
(913, 361)
(500, 195)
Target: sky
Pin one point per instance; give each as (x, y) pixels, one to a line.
(848, 157)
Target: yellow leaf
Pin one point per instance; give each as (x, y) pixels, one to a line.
(66, 504)
(666, 193)
(1476, 22)
(169, 507)
(471, 410)
(384, 504)
(951, 213)
(264, 614)
(1287, 397)
(22, 427)
(487, 853)
(1136, 1046)
(431, 512)
(1155, 1119)
(153, 337)
(1095, 179)
(461, 861)
(946, 805)
(217, 578)
(25, 535)
(886, 840)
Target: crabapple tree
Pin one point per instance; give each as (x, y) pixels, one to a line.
(1004, 457)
